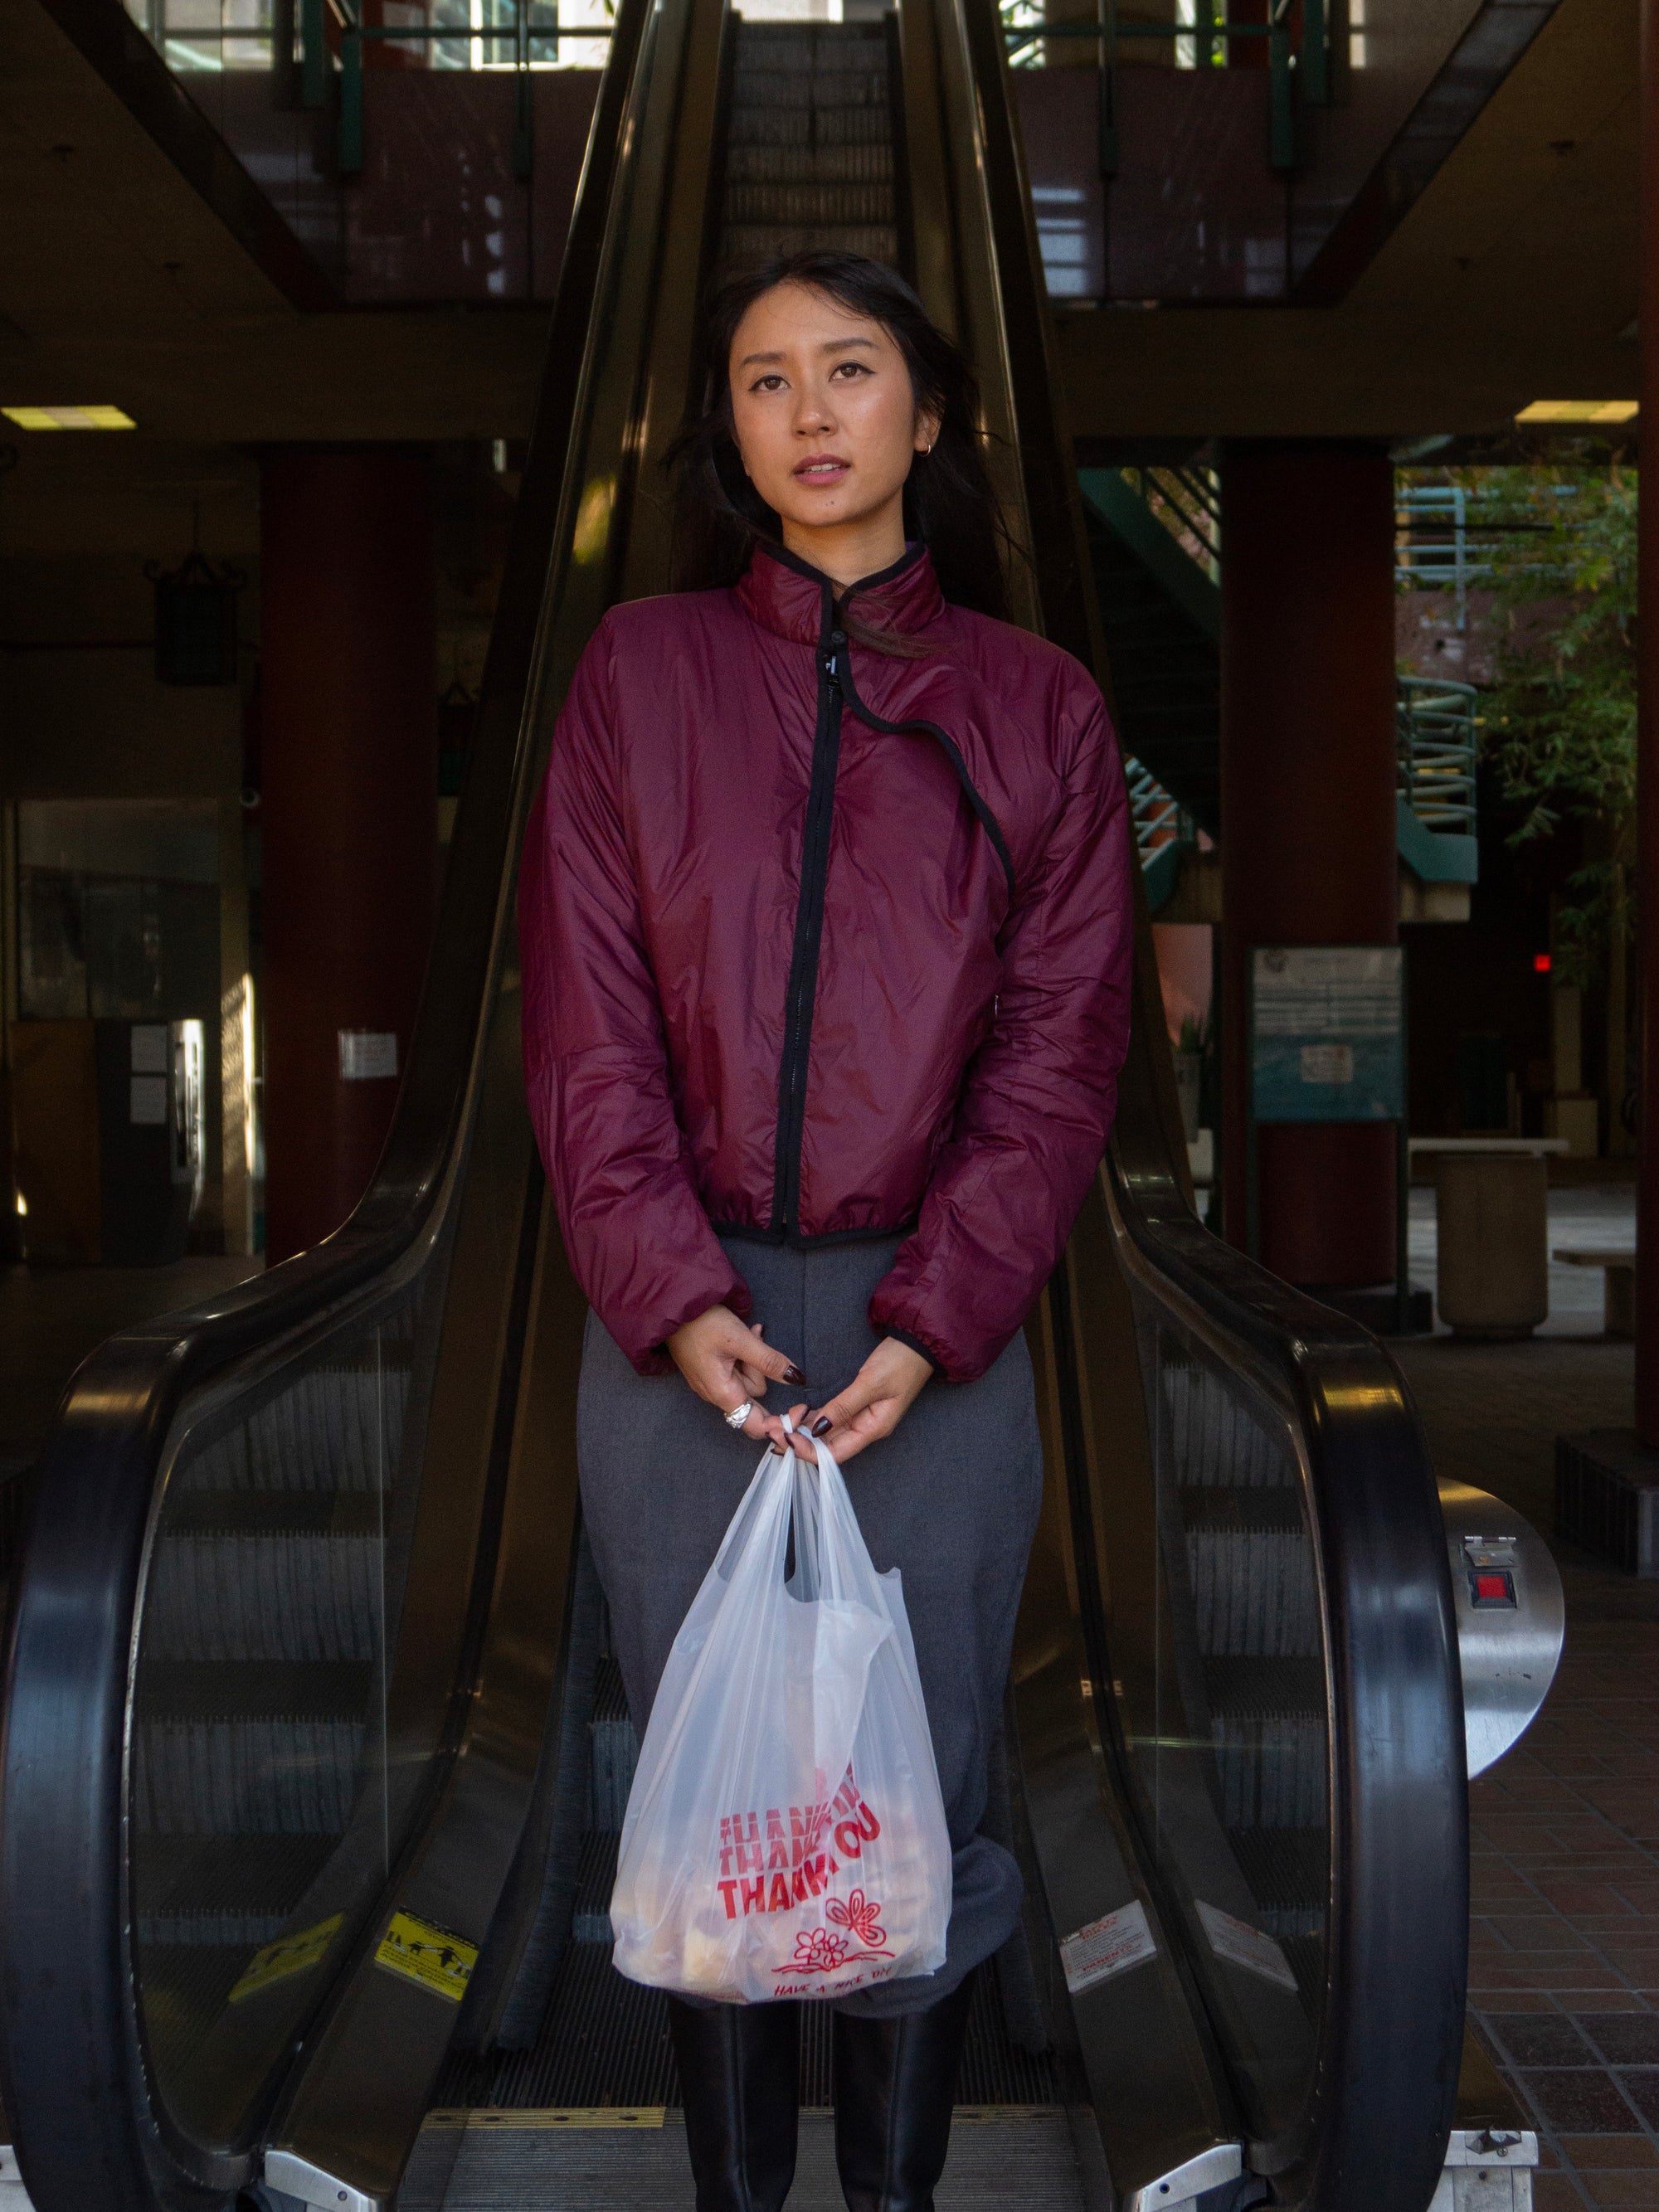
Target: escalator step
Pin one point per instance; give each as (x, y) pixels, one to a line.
(241, 1598)
(744, 245)
(1289, 1872)
(1253, 1594)
(333, 1428)
(275, 1513)
(616, 1750)
(604, 2042)
(1272, 1773)
(247, 1777)
(596, 1877)
(1224, 1511)
(1213, 1440)
(812, 165)
(782, 88)
(186, 1988)
(798, 46)
(810, 129)
(189, 1887)
(831, 206)
(1266, 1689)
(1021, 2160)
(294, 1690)
(610, 1698)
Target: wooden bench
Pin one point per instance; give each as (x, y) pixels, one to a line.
(1618, 1283)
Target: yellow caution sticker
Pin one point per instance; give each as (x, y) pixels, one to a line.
(434, 1957)
(288, 1955)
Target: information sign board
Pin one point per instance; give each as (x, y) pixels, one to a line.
(1326, 1033)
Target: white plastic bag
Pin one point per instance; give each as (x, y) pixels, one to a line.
(785, 1834)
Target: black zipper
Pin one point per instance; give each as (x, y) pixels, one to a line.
(809, 927)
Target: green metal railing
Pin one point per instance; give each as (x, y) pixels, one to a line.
(1435, 731)
(522, 34)
(1164, 831)
(1187, 500)
(1299, 70)
(1435, 718)
(331, 37)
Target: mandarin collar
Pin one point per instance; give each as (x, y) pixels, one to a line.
(794, 600)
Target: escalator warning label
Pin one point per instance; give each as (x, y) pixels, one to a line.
(288, 1955)
(1107, 1946)
(434, 1957)
(1241, 1945)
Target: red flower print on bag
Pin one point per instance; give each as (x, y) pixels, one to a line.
(818, 1952)
(861, 1915)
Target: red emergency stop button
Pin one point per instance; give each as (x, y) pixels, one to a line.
(1489, 1586)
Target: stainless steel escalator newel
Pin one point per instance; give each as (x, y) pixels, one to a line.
(1510, 1619)
(1487, 2170)
(1178, 2190)
(291, 2175)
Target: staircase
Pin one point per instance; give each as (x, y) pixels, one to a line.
(1154, 542)
(810, 158)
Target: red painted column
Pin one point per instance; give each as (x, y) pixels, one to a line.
(1307, 836)
(348, 756)
(1647, 768)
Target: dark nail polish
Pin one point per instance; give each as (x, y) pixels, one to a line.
(776, 1451)
(821, 1424)
(793, 1375)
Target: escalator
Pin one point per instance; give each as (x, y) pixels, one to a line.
(314, 1753)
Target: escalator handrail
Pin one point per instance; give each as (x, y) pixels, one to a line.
(1372, 2134)
(72, 2070)
(1374, 2128)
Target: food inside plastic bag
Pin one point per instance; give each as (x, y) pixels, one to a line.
(785, 1836)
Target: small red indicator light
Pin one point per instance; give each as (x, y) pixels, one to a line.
(1540, 963)
(1494, 1588)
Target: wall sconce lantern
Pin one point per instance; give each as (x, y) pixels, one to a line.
(196, 620)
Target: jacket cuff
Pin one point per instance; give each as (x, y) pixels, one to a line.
(916, 1344)
(656, 1359)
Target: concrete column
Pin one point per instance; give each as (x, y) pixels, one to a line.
(1647, 796)
(348, 752)
(1308, 837)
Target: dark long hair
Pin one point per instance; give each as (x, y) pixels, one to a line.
(949, 503)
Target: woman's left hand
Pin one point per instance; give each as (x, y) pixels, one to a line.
(873, 1403)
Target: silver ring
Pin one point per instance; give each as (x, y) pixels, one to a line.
(739, 1414)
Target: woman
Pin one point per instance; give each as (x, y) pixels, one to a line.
(826, 929)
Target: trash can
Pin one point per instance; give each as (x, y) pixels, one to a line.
(1492, 1213)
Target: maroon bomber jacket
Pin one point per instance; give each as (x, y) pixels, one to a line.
(820, 942)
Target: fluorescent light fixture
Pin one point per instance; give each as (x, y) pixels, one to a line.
(69, 418)
(1579, 411)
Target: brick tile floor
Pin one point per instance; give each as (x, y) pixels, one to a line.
(1564, 1944)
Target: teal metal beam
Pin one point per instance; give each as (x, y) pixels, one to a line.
(1123, 510)
(1432, 856)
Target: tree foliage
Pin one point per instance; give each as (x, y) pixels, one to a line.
(1559, 717)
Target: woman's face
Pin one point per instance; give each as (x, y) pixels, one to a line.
(826, 421)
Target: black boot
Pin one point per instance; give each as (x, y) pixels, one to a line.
(739, 2068)
(895, 2085)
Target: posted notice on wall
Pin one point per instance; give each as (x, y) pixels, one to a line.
(1328, 1033)
(367, 1055)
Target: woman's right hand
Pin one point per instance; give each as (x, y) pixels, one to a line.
(724, 1361)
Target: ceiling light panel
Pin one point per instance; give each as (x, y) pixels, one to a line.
(96, 417)
(1578, 411)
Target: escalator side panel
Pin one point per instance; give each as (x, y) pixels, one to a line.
(351, 2115)
(1360, 1676)
(1134, 2049)
(96, 2105)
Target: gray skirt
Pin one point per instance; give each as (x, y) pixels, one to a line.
(951, 1500)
